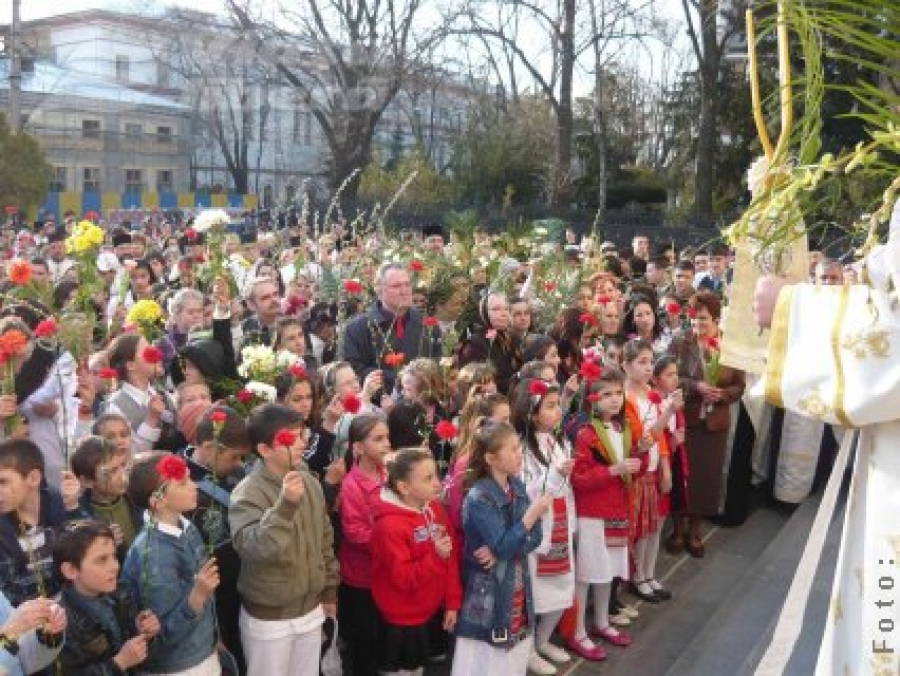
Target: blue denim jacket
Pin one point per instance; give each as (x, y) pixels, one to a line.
(490, 518)
(186, 638)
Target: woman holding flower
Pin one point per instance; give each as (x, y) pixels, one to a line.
(709, 388)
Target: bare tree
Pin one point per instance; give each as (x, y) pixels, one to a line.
(567, 37)
(347, 60)
(227, 87)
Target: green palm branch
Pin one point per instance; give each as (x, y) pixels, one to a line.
(848, 50)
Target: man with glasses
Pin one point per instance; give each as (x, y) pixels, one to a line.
(391, 325)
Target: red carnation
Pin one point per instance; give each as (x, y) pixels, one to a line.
(286, 438)
(587, 319)
(352, 286)
(416, 265)
(430, 322)
(298, 371)
(46, 328)
(549, 287)
(218, 416)
(692, 313)
(172, 468)
(394, 359)
(673, 309)
(244, 396)
(199, 258)
(538, 388)
(108, 374)
(191, 234)
(92, 216)
(20, 272)
(352, 404)
(590, 371)
(446, 430)
(152, 354)
(654, 397)
(713, 343)
(603, 300)
(594, 397)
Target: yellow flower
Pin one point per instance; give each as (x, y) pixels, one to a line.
(144, 312)
(85, 236)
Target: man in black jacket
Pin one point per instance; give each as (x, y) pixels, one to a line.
(391, 325)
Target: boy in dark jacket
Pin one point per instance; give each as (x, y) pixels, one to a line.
(31, 514)
(216, 466)
(105, 634)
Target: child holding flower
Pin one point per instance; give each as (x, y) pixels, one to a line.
(148, 410)
(547, 468)
(415, 565)
(168, 570)
(280, 529)
(215, 463)
(606, 460)
(655, 414)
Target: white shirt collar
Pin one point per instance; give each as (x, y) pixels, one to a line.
(168, 529)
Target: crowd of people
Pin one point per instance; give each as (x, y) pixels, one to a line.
(459, 452)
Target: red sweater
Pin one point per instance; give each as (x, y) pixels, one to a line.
(410, 581)
(599, 494)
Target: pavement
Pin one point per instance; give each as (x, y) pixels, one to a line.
(724, 605)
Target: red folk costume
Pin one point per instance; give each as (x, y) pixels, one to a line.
(647, 495)
(599, 494)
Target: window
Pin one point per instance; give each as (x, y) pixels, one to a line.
(90, 129)
(163, 74)
(298, 124)
(91, 179)
(164, 181)
(133, 131)
(58, 179)
(164, 134)
(133, 180)
(123, 65)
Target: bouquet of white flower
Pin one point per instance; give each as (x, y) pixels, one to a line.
(258, 362)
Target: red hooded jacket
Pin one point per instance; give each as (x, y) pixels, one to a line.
(410, 581)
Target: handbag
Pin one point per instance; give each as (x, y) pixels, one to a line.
(331, 656)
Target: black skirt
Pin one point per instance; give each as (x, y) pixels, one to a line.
(405, 648)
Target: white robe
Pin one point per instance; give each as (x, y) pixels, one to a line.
(555, 592)
(835, 355)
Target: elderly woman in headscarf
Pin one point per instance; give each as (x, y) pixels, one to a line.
(493, 341)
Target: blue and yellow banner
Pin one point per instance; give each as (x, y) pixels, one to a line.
(114, 206)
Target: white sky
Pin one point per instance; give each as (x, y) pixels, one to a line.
(650, 60)
(39, 9)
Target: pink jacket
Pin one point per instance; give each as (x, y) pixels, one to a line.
(454, 495)
(359, 495)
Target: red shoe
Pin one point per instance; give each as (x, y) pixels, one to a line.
(619, 639)
(593, 654)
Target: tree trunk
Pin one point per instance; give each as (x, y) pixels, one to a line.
(564, 116)
(600, 142)
(709, 94)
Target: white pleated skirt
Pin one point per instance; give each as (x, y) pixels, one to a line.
(595, 562)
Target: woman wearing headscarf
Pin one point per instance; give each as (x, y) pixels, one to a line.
(492, 341)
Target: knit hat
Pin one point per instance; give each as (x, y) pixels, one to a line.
(189, 417)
